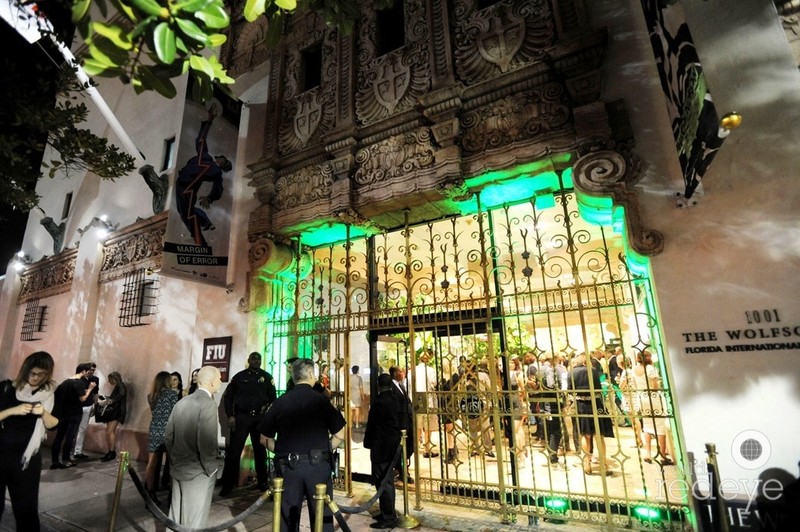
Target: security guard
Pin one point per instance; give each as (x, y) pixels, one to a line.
(302, 427)
(249, 395)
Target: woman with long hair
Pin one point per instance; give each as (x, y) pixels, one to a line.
(176, 383)
(26, 404)
(116, 404)
(162, 400)
(193, 382)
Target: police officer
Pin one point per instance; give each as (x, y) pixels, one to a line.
(301, 428)
(249, 395)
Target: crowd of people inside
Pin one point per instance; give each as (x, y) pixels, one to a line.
(560, 403)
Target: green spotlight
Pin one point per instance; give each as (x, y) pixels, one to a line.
(556, 504)
(647, 513)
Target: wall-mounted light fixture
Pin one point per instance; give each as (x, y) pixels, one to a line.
(21, 260)
(731, 120)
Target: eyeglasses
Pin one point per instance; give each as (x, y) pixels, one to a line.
(35, 373)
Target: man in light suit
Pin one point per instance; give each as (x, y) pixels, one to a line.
(191, 439)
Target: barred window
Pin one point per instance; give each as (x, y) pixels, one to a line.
(139, 298)
(35, 320)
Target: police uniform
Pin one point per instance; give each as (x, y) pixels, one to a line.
(301, 422)
(249, 395)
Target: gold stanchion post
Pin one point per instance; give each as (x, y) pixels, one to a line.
(721, 511)
(320, 494)
(123, 466)
(406, 521)
(277, 496)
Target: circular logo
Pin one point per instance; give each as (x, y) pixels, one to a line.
(751, 449)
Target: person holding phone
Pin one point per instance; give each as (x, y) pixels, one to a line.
(26, 404)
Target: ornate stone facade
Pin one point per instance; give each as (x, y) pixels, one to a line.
(140, 245)
(470, 90)
(48, 277)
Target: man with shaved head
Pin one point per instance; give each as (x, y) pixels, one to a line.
(192, 444)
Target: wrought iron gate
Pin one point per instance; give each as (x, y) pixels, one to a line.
(482, 310)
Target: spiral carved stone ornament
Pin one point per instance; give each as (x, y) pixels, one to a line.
(608, 173)
(600, 170)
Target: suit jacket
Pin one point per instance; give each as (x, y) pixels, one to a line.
(383, 428)
(406, 416)
(191, 437)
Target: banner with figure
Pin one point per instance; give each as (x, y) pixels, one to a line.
(199, 225)
(694, 118)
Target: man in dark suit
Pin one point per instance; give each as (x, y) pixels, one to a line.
(406, 413)
(382, 437)
(191, 438)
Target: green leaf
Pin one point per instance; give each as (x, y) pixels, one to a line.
(219, 71)
(151, 78)
(127, 10)
(254, 9)
(214, 16)
(79, 9)
(191, 30)
(151, 7)
(164, 43)
(106, 53)
(217, 39)
(192, 5)
(288, 5)
(93, 67)
(201, 64)
(113, 33)
(142, 27)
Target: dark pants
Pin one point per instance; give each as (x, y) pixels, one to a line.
(299, 482)
(246, 425)
(388, 494)
(23, 488)
(552, 428)
(65, 438)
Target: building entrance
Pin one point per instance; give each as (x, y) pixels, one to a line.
(532, 350)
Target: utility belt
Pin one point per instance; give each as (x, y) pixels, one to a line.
(313, 457)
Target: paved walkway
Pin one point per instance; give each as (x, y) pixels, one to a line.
(80, 499)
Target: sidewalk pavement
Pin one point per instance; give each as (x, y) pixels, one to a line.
(80, 499)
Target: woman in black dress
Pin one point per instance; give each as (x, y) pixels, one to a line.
(26, 404)
(587, 388)
(116, 410)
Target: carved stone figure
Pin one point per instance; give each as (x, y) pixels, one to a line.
(56, 231)
(158, 184)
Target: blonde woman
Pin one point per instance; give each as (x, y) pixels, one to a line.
(162, 399)
(114, 409)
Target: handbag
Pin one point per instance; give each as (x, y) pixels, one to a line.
(106, 412)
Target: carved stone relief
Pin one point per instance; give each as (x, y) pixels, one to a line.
(392, 83)
(48, 277)
(140, 245)
(500, 38)
(249, 48)
(519, 116)
(307, 185)
(306, 115)
(396, 156)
